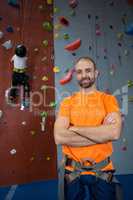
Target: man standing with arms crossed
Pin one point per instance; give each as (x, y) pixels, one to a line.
(87, 123)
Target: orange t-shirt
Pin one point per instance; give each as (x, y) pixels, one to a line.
(89, 110)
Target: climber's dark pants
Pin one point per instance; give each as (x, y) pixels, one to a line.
(89, 187)
(19, 79)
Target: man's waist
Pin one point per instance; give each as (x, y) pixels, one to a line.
(89, 168)
(19, 70)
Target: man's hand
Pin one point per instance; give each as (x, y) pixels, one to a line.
(109, 130)
(109, 119)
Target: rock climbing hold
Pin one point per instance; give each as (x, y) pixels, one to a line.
(129, 29)
(111, 27)
(18, 29)
(66, 36)
(41, 7)
(130, 98)
(53, 104)
(43, 114)
(73, 3)
(8, 44)
(13, 3)
(13, 152)
(48, 158)
(120, 36)
(130, 83)
(45, 78)
(32, 158)
(24, 123)
(72, 13)
(124, 19)
(36, 50)
(33, 133)
(56, 36)
(124, 148)
(73, 54)
(89, 16)
(1, 34)
(44, 59)
(73, 45)
(126, 52)
(98, 32)
(49, 2)
(90, 48)
(57, 27)
(56, 69)
(64, 21)
(9, 29)
(68, 77)
(45, 43)
(47, 26)
(1, 114)
(119, 44)
(56, 10)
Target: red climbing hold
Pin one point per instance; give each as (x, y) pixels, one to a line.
(63, 20)
(74, 45)
(68, 77)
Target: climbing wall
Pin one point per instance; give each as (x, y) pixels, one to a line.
(27, 151)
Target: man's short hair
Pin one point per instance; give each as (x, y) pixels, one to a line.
(87, 58)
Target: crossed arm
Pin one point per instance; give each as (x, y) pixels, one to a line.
(85, 136)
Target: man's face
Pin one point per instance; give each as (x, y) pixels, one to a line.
(85, 73)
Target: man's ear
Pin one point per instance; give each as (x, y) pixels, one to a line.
(96, 73)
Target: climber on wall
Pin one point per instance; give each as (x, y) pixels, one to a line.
(19, 76)
(87, 123)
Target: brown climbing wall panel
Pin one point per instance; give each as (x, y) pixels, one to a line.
(35, 157)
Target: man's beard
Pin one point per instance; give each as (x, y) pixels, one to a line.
(89, 82)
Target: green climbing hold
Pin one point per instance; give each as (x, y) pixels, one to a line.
(43, 114)
(56, 10)
(72, 13)
(47, 26)
(66, 36)
(53, 104)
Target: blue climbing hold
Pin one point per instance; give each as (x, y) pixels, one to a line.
(13, 3)
(10, 29)
(129, 29)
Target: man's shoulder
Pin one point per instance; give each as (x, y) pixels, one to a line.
(106, 94)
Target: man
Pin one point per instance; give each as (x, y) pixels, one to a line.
(87, 123)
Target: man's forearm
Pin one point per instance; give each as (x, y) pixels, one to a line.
(99, 134)
(67, 137)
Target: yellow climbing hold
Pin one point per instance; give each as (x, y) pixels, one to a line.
(56, 36)
(33, 133)
(57, 27)
(32, 158)
(120, 36)
(56, 69)
(49, 2)
(48, 158)
(44, 78)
